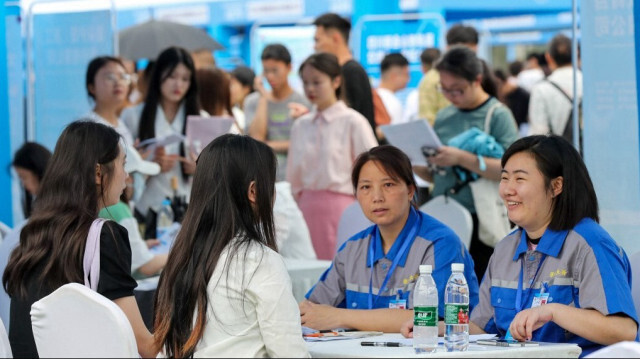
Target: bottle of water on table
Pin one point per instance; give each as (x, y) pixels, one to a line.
(456, 310)
(164, 221)
(425, 312)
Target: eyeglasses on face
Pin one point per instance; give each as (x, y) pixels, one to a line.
(115, 78)
(451, 92)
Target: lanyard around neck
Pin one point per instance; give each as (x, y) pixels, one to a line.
(394, 264)
(519, 304)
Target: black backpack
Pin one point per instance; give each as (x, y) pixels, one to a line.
(567, 133)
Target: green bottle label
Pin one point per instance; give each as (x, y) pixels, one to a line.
(456, 314)
(425, 316)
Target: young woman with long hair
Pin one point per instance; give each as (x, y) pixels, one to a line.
(225, 290)
(85, 174)
(172, 95)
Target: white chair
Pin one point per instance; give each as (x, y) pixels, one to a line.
(351, 222)
(453, 214)
(634, 260)
(5, 347)
(75, 321)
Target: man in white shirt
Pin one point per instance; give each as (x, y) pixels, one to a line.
(394, 76)
(550, 104)
(532, 73)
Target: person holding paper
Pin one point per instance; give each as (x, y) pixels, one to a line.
(376, 269)
(324, 144)
(559, 277)
(461, 78)
(172, 96)
(269, 113)
(225, 291)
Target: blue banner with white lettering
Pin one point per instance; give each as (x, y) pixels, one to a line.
(378, 35)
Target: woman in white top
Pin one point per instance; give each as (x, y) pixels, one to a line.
(107, 85)
(225, 291)
(171, 97)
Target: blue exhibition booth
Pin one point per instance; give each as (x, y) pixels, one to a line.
(49, 43)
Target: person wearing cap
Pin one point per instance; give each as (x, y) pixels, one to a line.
(376, 269)
(143, 262)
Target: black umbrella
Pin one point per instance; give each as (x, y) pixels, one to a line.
(147, 40)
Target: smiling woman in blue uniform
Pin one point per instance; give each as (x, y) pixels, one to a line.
(376, 269)
(545, 280)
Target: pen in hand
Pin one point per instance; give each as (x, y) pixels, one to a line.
(382, 344)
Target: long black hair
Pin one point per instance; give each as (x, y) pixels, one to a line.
(220, 216)
(67, 204)
(556, 157)
(32, 157)
(167, 61)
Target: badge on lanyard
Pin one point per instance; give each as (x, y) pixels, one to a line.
(540, 298)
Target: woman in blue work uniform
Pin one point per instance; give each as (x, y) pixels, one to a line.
(545, 281)
(376, 268)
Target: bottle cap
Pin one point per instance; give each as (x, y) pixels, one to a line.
(425, 269)
(166, 202)
(457, 267)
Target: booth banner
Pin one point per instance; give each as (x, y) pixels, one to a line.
(62, 45)
(610, 107)
(375, 36)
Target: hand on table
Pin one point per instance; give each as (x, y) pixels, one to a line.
(319, 316)
(407, 329)
(528, 320)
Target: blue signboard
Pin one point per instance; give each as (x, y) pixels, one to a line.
(611, 115)
(378, 35)
(63, 45)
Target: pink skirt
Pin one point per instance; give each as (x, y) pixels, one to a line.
(322, 211)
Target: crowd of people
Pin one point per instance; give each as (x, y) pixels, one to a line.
(277, 184)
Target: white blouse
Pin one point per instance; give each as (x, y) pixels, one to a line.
(252, 311)
(159, 186)
(121, 128)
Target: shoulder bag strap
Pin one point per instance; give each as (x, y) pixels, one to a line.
(487, 119)
(91, 261)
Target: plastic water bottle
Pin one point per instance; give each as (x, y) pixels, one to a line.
(425, 312)
(456, 310)
(164, 220)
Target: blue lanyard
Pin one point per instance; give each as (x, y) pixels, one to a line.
(519, 304)
(394, 264)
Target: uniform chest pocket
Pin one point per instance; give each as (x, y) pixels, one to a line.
(503, 301)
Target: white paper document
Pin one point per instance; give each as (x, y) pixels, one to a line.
(410, 137)
(150, 144)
